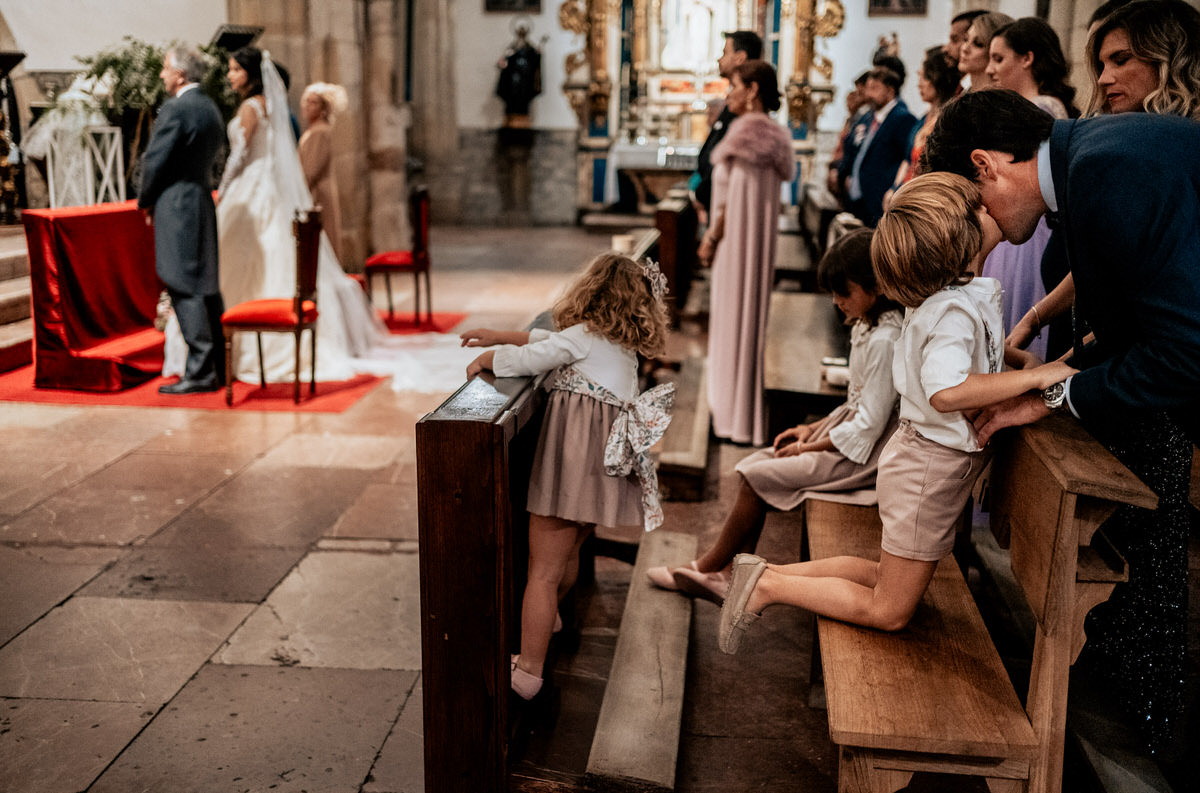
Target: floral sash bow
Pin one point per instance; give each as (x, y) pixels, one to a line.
(639, 425)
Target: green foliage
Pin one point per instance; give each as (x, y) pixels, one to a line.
(131, 69)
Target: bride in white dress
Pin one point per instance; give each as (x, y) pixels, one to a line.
(261, 188)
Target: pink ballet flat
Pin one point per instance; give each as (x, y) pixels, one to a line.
(709, 586)
(664, 578)
(524, 684)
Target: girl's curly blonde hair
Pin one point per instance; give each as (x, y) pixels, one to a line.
(613, 297)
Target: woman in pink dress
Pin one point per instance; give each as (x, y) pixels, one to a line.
(749, 166)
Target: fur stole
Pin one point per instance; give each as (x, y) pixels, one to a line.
(756, 141)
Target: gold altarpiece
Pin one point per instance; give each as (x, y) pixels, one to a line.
(645, 75)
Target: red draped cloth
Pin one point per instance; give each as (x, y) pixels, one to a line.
(94, 293)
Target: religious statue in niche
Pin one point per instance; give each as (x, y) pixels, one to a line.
(520, 78)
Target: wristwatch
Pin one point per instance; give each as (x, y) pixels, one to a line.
(1055, 397)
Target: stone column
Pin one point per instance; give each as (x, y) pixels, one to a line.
(435, 133)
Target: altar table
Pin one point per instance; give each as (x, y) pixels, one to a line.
(94, 293)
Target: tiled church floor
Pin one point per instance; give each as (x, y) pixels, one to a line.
(207, 601)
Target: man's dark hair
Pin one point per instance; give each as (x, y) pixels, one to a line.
(746, 41)
(968, 16)
(992, 120)
(1105, 9)
(894, 64)
(861, 80)
(887, 77)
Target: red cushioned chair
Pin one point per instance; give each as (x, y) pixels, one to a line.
(282, 315)
(415, 261)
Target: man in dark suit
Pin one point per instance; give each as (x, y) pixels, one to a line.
(1124, 194)
(176, 194)
(740, 46)
(872, 171)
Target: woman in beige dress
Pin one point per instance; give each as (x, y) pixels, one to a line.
(319, 105)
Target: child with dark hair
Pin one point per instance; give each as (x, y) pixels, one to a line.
(836, 454)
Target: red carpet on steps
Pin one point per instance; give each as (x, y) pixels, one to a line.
(335, 397)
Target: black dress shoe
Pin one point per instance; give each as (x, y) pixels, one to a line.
(190, 387)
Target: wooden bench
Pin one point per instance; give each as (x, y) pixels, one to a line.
(676, 222)
(474, 454)
(802, 329)
(934, 696)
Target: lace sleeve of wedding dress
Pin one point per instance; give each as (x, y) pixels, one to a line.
(289, 176)
(237, 157)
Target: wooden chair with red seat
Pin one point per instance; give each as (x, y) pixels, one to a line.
(415, 261)
(282, 315)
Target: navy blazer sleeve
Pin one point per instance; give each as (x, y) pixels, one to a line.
(1135, 234)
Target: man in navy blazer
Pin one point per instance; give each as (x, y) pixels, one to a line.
(1124, 194)
(871, 171)
(176, 193)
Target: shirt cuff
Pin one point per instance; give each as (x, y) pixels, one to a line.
(1067, 393)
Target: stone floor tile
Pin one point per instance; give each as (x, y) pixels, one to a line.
(236, 728)
(267, 507)
(219, 573)
(115, 649)
(337, 609)
(17, 414)
(51, 745)
(35, 579)
(383, 510)
(243, 434)
(103, 516)
(338, 451)
(35, 470)
(400, 767)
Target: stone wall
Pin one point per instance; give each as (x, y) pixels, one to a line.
(506, 184)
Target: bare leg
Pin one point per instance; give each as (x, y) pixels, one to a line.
(552, 542)
(852, 568)
(887, 606)
(740, 533)
(572, 572)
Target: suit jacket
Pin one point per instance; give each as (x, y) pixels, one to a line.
(704, 166)
(1128, 192)
(884, 152)
(177, 188)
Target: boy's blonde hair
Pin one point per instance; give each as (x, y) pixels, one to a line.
(928, 237)
(613, 297)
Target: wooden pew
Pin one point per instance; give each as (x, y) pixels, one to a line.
(933, 697)
(802, 328)
(676, 222)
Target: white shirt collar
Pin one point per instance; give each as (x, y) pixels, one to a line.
(882, 112)
(183, 89)
(1045, 177)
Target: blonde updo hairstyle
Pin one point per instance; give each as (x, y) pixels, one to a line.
(332, 96)
(928, 237)
(613, 297)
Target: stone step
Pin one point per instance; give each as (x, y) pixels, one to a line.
(14, 259)
(14, 300)
(16, 345)
(684, 449)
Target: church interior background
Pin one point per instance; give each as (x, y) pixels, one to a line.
(623, 84)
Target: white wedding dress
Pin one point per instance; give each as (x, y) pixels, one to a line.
(260, 191)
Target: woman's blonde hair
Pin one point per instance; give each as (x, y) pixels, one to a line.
(987, 25)
(1165, 34)
(333, 96)
(928, 237)
(613, 297)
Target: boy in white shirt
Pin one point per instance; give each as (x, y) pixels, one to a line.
(947, 360)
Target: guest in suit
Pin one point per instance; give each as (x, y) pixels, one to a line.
(870, 173)
(1124, 190)
(740, 46)
(176, 194)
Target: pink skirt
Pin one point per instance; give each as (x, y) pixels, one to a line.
(782, 482)
(568, 479)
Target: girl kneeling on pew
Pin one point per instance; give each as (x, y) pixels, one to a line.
(591, 465)
(948, 360)
(837, 453)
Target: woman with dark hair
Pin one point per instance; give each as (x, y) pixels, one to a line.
(749, 164)
(1027, 57)
(937, 82)
(261, 189)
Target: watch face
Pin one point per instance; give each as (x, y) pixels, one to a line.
(1055, 395)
